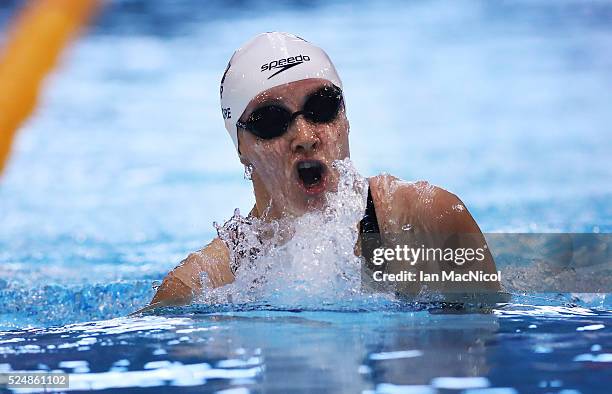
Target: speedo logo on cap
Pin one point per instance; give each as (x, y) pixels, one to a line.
(284, 64)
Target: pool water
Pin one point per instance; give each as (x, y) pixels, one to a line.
(126, 164)
(518, 349)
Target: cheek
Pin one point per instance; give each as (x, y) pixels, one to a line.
(269, 158)
(338, 139)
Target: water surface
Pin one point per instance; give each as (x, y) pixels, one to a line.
(126, 164)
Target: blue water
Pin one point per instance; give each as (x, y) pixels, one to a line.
(125, 165)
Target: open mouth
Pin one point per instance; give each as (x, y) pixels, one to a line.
(311, 174)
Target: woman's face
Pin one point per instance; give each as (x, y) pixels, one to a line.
(295, 169)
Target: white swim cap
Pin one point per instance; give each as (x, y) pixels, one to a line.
(268, 60)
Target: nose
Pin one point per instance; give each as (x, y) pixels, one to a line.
(305, 138)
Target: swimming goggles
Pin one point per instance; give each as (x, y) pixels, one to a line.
(272, 121)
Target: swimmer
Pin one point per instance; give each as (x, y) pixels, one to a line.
(284, 109)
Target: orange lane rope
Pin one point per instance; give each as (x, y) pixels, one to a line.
(33, 44)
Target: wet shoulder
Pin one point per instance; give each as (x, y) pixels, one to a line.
(216, 262)
(213, 260)
(401, 203)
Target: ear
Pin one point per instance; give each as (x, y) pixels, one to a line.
(348, 124)
(243, 159)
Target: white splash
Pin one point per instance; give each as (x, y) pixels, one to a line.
(308, 261)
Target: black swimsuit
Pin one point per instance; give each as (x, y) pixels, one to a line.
(369, 231)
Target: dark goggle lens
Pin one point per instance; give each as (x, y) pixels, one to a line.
(269, 122)
(273, 121)
(323, 105)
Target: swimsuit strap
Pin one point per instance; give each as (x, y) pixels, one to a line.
(369, 231)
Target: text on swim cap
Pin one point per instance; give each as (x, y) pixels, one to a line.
(227, 113)
(284, 64)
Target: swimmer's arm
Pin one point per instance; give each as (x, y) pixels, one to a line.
(183, 283)
(431, 211)
(452, 218)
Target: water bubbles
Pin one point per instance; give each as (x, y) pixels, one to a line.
(305, 261)
(241, 236)
(155, 285)
(248, 172)
(204, 280)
